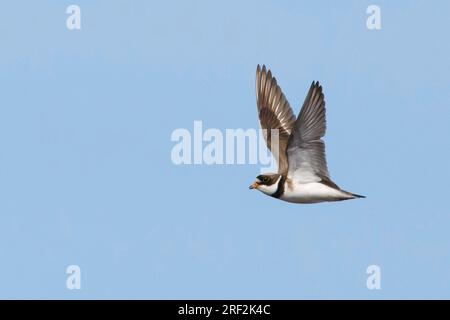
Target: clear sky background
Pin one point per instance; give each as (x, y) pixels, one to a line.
(86, 176)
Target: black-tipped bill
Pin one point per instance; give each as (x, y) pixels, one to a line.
(254, 186)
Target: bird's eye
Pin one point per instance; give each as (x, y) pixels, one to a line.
(265, 179)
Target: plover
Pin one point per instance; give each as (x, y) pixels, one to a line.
(302, 168)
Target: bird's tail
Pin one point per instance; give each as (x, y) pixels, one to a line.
(354, 195)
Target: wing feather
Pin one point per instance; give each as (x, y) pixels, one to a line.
(274, 112)
(306, 150)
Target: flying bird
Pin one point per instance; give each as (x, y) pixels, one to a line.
(302, 168)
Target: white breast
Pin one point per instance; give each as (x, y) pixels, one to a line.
(312, 192)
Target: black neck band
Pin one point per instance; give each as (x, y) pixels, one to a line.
(280, 187)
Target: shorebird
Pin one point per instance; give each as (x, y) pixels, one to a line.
(300, 152)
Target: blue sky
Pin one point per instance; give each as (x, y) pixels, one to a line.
(86, 174)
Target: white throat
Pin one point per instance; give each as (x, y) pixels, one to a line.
(269, 190)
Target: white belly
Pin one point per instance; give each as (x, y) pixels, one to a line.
(313, 192)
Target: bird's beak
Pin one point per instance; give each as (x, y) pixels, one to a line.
(255, 185)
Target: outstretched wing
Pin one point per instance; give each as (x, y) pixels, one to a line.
(274, 112)
(306, 150)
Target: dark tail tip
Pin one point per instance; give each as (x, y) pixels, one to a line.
(358, 195)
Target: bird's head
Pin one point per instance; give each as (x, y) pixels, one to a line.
(266, 183)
